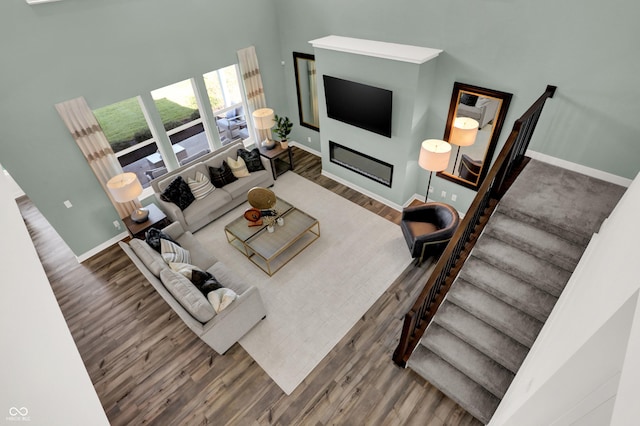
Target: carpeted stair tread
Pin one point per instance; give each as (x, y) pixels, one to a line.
(488, 340)
(468, 360)
(535, 240)
(521, 294)
(525, 217)
(571, 204)
(476, 400)
(500, 315)
(521, 264)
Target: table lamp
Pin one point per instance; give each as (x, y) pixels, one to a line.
(463, 133)
(126, 187)
(263, 120)
(434, 157)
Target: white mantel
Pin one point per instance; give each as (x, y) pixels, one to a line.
(40, 1)
(378, 49)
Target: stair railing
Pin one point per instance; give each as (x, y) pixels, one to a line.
(502, 173)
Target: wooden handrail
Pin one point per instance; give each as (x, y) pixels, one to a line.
(503, 171)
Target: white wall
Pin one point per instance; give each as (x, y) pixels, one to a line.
(13, 187)
(603, 289)
(43, 380)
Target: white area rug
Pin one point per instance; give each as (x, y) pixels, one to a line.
(315, 299)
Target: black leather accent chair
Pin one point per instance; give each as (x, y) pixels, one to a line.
(469, 168)
(428, 228)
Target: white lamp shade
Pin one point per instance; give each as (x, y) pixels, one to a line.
(124, 187)
(434, 155)
(464, 131)
(263, 118)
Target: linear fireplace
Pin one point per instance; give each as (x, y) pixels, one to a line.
(361, 163)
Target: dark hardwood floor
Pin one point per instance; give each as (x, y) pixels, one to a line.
(149, 368)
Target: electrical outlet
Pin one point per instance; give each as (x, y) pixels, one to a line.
(68, 204)
(116, 224)
(431, 190)
(309, 139)
(443, 194)
(454, 197)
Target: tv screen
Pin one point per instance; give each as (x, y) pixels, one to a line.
(358, 104)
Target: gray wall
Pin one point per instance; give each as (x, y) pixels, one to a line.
(107, 51)
(586, 48)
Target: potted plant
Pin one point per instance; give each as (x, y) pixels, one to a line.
(282, 129)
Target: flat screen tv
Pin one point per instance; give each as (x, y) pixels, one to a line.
(358, 104)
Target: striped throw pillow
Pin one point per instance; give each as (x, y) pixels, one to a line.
(200, 186)
(174, 253)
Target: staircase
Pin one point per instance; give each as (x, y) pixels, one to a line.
(508, 286)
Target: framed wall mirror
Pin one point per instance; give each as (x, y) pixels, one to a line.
(475, 119)
(304, 65)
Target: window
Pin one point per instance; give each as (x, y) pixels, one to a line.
(227, 103)
(176, 104)
(127, 131)
(180, 116)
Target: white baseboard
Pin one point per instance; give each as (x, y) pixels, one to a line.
(305, 148)
(363, 191)
(84, 256)
(594, 173)
(347, 183)
(417, 197)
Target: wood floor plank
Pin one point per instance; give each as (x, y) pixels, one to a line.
(149, 368)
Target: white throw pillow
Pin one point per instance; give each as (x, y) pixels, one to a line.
(173, 253)
(221, 298)
(238, 167)
(185, 269)
(200, 186)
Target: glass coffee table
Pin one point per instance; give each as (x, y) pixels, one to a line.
(270, 251)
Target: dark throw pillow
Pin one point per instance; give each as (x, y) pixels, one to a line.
(251, 159)
(153, 237)
(468, 99)
(221, 176)
(179, 193)
(204, 281)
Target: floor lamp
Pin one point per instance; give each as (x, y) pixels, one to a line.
(434, 157)
(463, 133)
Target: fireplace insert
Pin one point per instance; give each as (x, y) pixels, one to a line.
(360, 163)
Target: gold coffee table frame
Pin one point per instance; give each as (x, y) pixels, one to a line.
(270, 251)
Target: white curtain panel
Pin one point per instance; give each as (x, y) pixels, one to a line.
(87, 133)
(252, 80)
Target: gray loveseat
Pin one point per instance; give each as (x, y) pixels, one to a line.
(221, 200)
(218, 330)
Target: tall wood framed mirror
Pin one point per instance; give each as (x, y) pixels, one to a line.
(304, 65)
(473, 107)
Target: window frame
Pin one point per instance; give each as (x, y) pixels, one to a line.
(210, 128)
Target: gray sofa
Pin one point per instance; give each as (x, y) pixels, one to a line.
(218, 330)
(221, 200)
